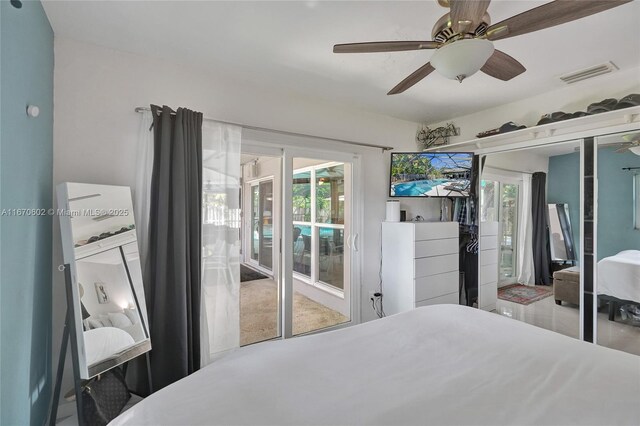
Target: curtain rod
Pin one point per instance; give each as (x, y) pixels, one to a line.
(283, 132)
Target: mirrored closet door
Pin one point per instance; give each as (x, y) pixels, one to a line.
(529, 226)
(617, 246)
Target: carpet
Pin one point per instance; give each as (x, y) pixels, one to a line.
(523, 294)
(259, 312)
(248, 274)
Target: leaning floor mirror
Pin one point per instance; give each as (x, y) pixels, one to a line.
(100, 246)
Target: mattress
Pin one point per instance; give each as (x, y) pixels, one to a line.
(443, 364)
(619, 276)
(104, 342)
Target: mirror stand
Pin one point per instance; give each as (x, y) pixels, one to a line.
(69, 332)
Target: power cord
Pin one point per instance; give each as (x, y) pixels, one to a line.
(376, 300)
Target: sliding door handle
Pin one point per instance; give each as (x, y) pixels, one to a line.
(347, 241)
(355, 242)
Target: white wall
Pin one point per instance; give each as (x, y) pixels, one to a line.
(95, 130)
(572, 98)
(518, 161)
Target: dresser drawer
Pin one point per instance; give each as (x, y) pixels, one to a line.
(427, 266)
(450, 299)
(488, 243)
(489, 228)
(488, 296)
(428, 248)
(436, 285)
(488, 274)
(436, 230)
(488, 257)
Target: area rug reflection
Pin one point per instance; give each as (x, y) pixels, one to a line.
(523, 294)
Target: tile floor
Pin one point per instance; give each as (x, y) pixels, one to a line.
(565, 320)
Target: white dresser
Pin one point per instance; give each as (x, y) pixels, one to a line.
(488, 251)
(419, 264)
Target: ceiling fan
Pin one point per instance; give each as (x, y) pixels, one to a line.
(631, 143)
(463, 38)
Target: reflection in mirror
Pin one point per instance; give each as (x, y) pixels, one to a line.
(618, 246)
(519, 212)
(561, 233)
(100, 245)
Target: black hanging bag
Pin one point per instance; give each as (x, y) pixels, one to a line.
(104, 397)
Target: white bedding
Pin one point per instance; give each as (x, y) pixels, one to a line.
(104, 342)
(436, 365)
(619, 275)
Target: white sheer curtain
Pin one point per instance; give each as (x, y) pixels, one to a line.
(142, 189)
(525, 239)
(220, 314)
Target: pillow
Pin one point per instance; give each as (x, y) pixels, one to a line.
(104, 319)
(119, 319)
(132, 314)
(94, 323)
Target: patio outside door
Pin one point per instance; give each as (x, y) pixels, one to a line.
(319, 241)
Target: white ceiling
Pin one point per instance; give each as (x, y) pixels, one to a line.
(288, 46)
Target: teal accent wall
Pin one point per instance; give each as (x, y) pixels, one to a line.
(26, 176)
(615, 197)
(563, 186)
(615, 203)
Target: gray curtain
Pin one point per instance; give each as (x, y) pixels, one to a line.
(540, 229)
(173, 268)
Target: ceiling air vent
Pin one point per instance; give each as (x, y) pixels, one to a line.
(590, 72)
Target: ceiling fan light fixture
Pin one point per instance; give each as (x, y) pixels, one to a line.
(462, 58)
(635, 150)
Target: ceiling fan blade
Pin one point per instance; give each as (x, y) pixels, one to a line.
(417, 75)
(466, 15)
(502, 66)
(384, 46)
(549, 15)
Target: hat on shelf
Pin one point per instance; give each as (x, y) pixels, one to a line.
(602, 106)
(510, 127)
(553, 117)
(578, 114)
(628, 101)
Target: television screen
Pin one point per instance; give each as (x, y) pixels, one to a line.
(430, 174)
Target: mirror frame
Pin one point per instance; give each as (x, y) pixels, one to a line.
(69, 255)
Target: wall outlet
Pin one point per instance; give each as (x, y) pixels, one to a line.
(372, 294)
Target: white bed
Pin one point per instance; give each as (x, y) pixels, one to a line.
(619, 276)
(436, 365)
(105, 342)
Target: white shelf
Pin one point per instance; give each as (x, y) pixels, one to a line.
(577, 128)
(105, 244)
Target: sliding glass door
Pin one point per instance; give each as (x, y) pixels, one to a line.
(319, 224)
(300, 223)
(320, 203)
(508, 232)
(499, 202)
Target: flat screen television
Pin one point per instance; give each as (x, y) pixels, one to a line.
(431, 174)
